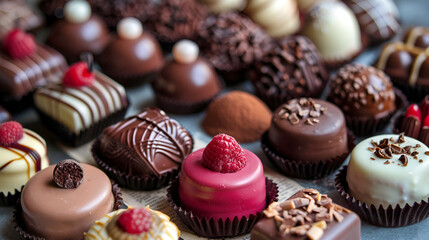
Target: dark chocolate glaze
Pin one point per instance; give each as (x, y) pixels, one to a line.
(4, 115)
(149, 143)
(136, 57)
(21, 76)
(349, 228)
(324, 140)
(71, 39)
(192, 82)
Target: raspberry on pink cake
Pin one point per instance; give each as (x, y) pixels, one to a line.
(220, 185)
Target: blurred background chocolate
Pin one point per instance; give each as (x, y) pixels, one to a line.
(217, 6)
(4, 115)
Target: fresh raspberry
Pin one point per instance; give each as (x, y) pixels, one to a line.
(223, 154)
(78, 75)
(10, 132)
(19, 44)
(135, 221)
(414, 111)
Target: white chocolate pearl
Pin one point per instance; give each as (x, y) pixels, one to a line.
(185, 51)
(77, 11)
(129, 28)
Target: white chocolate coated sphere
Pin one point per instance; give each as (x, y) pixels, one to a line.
(77, 11)
(185, 51)
(129, 28)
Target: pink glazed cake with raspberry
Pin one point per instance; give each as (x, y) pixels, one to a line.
(222, 181)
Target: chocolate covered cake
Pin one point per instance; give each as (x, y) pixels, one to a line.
(186, 83)
(365, 95)
(24, 66)
(82, 105)
(406, 63)
(133, 56)
(307, 138)
(50, 210)
(307, 215)
(144, 151)
(292, 69)
(80, 31)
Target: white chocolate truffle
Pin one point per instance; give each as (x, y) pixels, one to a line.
(130, 28)
(218, 6)
(278, 17)
(306, 5)
(185, 51)
(375, 180)
(334, 30)
(77, 11)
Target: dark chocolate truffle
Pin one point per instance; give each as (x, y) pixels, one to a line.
(308, 130)
(186, 83)
(307, 215)
(232, 43)
(80, 31)
(291, 69)
(68, 174)
(379, 19)
(174, 20)
(148, 144)
(133, 56)
(239, 114)
(365, 95)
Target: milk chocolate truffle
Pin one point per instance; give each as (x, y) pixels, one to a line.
(143, 151)
(186, 83)
(133, 56)
(238, 114)
(379, 19)
(18, 12)
(307, 215)
(278, 18)
(174, 20)
(366, 97)
(417, 36)
(232, 43)
(80, 31)
(292, 69)
(335, 31)
(307, 132)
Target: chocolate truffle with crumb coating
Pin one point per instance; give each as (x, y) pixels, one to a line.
(364, 94)
(292, 69)
(186, 83)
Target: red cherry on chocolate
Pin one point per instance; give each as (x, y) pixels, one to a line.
(414, 111)
(10, 132)
(19, 44)
(426, 121)
(78, 75)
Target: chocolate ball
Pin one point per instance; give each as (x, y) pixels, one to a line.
(292, 69)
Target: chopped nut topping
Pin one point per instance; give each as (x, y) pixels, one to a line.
(293, 118)
(417, 145)
(320, 224)
(371, 149)
(315, 233)
(414, 153)
(386, 162)
(338, 216)
(308, 122)
(301, 109)
(383, 153)
(420, 161)
(401, 138)
(300, 230)
(404, 160)
(427, 152)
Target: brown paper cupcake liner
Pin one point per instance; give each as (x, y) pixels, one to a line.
(364, 126)
(9, 199)
(210, 228)
(135, 182)
(175, 106)
(392, 216)
(414, 93)
(306, 170)
(19, 224)
(71, 138)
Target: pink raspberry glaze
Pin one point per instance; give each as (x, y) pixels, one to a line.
(222, 195)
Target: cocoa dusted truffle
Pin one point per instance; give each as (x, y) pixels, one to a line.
(292, 69)
(174, 20)
(365, 95)
(239, 114)
(133, 56)
(80, 31)
(307, 215)
(232, 43)
(379, 19)
(186, 83)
